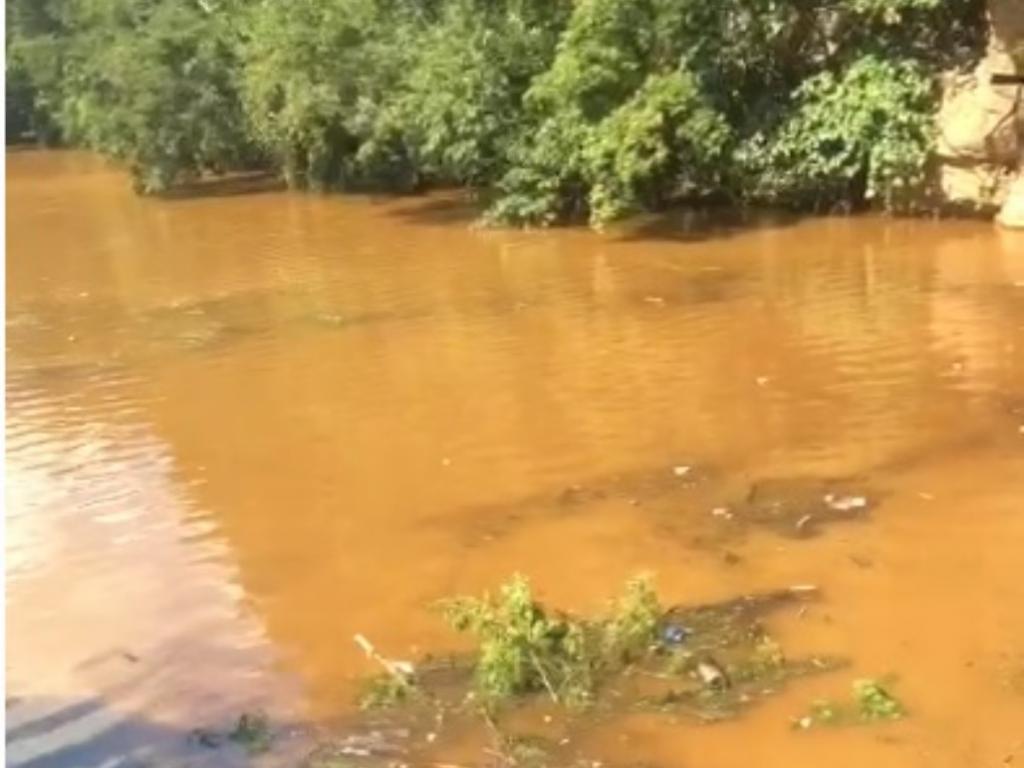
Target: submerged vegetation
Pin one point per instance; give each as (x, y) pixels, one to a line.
(536, 679)
(872, 703)
(252, 732)
(523, 650)
(550, 110)
(709, 660)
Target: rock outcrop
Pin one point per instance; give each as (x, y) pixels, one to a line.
(1012, 213)
(981, 124)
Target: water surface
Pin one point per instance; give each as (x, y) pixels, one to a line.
(243, 427)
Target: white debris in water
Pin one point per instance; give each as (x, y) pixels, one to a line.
(711, 675)
(722, 512)
(762, 381)
(681, 471)
(405, 667)
(845, 503)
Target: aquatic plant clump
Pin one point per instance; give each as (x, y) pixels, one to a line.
(709, 660)
(875, 702)
(523, 649)
(871, 702)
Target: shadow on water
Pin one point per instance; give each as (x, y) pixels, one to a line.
(452, 208)
(52, 733)
(442, 209)
(48, 732)
(688, 225)
(233, 185)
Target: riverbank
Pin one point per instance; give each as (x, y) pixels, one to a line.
(548, 112)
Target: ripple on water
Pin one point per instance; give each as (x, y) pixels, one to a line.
(118, 586)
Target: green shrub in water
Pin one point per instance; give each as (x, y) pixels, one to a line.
(523, 649)
(875, 702)
(872, 702)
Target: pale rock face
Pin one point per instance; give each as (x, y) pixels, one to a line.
(1012, 214)
(977, 185)
(981, 125)
(979, 121)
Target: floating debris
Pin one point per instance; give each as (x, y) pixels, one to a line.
(400, 669)
(804, 522)
(845, 503)
(798, 507)
(712, 675)
(394, 687)
(674, 634)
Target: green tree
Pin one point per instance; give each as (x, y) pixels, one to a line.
(462, 106)
(150, 82)
(551, 109)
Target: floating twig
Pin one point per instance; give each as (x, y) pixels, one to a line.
(400, 670)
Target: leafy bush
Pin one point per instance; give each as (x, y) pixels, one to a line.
(462, 104)
(524, 650)
(303, 73)
(862, 134)
(152, 83)
(552, 109)
(665, 141)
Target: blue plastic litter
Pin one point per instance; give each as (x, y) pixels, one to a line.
(674, 634)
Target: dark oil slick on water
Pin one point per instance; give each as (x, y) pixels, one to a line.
(242, 428)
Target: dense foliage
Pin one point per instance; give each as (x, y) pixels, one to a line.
(550, 109)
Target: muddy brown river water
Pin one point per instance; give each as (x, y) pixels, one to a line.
(243, 427)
